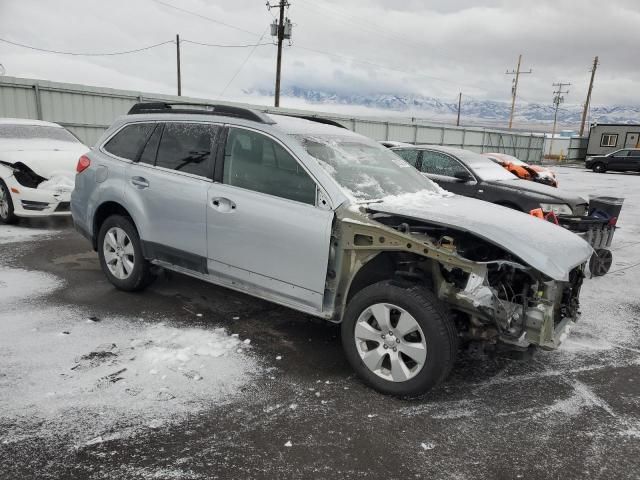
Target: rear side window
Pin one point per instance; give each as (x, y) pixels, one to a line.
(186, 147)
(256, 162)
(128, 142)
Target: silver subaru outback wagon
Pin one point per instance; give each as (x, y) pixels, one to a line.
(306, 214)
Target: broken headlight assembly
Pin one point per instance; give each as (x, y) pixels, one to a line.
(557, 208)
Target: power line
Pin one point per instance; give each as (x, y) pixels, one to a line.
(245, 61)
(86, 54)
(558, 98)
(226, 46)
(195, 14)
(322, 52)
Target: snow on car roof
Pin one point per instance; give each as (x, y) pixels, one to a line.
(27, 121)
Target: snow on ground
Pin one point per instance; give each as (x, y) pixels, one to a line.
(98, 379)
(17, 233)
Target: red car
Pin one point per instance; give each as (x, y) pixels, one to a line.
(523, 170)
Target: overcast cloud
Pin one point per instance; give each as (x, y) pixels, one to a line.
(433, 48)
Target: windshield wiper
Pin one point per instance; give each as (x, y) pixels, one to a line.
(366, 202)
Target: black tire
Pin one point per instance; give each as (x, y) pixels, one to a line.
(438, 328)
(141, 275)
(599, 167)
(600, 262)
(9, 217)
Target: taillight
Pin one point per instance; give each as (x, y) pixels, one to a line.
(83, 164)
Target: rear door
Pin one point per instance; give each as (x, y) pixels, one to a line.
(442, 169)
(168, 186)
(265, 233)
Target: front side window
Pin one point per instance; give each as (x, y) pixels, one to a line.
(410, 156)
(186, 147)
(609, 140)
(634, 153)
(256, 162)
(437, 163)
(621, 153)
(128, 142)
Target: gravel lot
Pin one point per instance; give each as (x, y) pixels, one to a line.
(187, 380)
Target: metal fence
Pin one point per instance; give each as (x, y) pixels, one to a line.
(87, 111)
(577, 149)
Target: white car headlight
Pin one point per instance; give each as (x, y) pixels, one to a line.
(557, 208)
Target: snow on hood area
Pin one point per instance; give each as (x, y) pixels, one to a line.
(104, 378)
(546, 247)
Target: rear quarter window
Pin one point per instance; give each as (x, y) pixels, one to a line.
(128, 142)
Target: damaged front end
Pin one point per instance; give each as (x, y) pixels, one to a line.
(493, 295)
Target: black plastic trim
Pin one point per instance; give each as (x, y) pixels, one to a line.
(200, 109)
(174, 256)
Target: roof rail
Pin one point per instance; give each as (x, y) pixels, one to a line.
(312, 118)
(201, 109)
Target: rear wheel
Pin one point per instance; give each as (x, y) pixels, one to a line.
(400, 341)
(6, 205)
(599, 167)
(120, 254)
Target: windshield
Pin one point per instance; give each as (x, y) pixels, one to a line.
(40, 132)
(484, 167)
(366, 170)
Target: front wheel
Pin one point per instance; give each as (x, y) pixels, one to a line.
(599, 167)
(400, 341)
(120, 254)
(6, 205)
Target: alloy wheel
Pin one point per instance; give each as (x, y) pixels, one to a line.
(390, 342)
(119, 254)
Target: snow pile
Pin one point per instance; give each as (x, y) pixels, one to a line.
(416, 201)
(92, 376)
(59, 183)
(18, 284)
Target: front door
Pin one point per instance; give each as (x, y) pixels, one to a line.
(265, 234)
(168, 186)
(632, 140)
(620, 161)
(445, 170)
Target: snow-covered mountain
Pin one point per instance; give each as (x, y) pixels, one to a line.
(487, 111)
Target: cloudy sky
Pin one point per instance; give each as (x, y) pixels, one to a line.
(433, 48)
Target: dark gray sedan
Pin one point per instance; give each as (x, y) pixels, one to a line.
(473, 175)
(625, 160)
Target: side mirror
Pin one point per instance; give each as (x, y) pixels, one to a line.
(463, 176)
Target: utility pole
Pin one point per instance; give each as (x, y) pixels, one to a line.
(459, 103)
(586, 104)
(281, 30)
(514, 87)
(178, 65)
(558, 98)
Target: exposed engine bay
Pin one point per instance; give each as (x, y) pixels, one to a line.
(493, 295)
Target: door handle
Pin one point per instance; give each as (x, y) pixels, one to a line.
(223, 205)
(139, 182)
